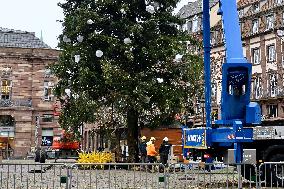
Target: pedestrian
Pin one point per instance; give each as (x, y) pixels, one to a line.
(143, 150)
(151, 151)
(164, 151)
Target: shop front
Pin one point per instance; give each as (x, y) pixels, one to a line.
(7, 141)
(7, 136)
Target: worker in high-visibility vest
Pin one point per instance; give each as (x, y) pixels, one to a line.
(151, 150)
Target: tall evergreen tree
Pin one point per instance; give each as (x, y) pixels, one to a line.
(123, 54)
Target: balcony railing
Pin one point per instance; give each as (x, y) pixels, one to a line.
(15, 103)
(279, 93)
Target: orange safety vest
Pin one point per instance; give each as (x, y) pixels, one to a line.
(151, 151)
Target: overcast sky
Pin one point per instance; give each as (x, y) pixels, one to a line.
(36, 16)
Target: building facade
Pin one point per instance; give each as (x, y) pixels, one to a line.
(262, 26)
(27, 103)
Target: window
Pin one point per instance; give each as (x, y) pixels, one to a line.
(241, 13)
(7, 121)
(5, 38)
(223, 36)
(6, 72)
(6, 86)
(47, 137)
(272, 111)
(255, 26)
(198, 108)
(271, 53)
(47, 118)
(255, 56)
(47, 72)
(200, 24)
(255, 7)
(217, 36)
(189, 26)
(47, 91)
(184, 27)
(241, 26)
(257, 87)
(214, 90)
(224, 59)
(269, 22)
(212, 38)
(273, 85)
(195, 24)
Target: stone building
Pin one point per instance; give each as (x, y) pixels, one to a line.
(262, 26)
(26, 104)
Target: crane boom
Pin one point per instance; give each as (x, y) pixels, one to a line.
(232, 32)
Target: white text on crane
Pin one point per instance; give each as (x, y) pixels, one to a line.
(194, 138)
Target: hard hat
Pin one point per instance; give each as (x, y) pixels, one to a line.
(166, 139)
(143, 138)
(152, 138)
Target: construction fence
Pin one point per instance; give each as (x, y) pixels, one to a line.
(140, 176)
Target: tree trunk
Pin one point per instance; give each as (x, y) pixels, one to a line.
(132, 135)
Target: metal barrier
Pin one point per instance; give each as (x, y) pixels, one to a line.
(118, 175)
(80, 176)
(210, 175)
(18, 176)
(140, 176)
(271, 174)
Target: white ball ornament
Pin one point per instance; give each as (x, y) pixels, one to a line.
(99, 53)
(80, 38)
(90, 21)
(150, 9)
(127, 40)
(68, 92)
(160, 80)
(122, 11)
(77, 58)
(66, 39)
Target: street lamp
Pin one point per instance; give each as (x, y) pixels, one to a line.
(202, 105)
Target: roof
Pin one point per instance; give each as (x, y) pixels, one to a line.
(193, 8)
(20, 39)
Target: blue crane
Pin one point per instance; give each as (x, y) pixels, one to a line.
(238, 114)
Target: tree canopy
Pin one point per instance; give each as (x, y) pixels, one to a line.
(128, 55)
